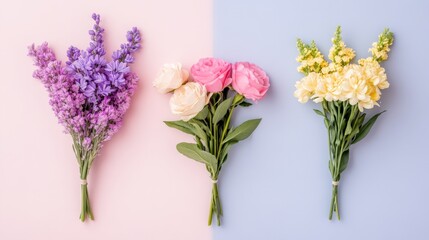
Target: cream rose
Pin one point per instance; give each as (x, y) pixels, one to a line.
(171, 77)
(188, 100)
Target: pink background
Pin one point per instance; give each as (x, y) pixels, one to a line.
(140, 187)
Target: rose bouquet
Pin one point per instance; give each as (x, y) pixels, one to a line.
(344, 90)
(89, 95)
(205, 106)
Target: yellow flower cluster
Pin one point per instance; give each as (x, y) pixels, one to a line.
(339, 54)
(310, 58)
(380, 49)
(357, 83)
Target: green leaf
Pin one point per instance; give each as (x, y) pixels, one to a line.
(212, 108)
(358, 124)
(199, 143)
(192, 151)
(245, 104)
(225, 150)
(202, 125)
(202, 114)
(326, 123)
(199, 132)
(348, 128)
(243, 131)
(333, 133)
(221, 110)
(331, 166)
(325, 106)
(181, 125)
(343, 126)
(364, 130)
(344, 161)
(318, 112)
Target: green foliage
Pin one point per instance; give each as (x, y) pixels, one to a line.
(245, 104)
(365, 128)
(181, 125)
(344, 161)
(214, 137)
(243, 131)
(345, 125)
(221, 110)
(203, 114)
(192, 151)
(318, 112)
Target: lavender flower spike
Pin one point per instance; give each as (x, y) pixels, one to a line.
(89, 95)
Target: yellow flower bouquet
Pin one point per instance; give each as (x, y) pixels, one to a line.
(344, 90)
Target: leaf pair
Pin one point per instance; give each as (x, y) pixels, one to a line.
(239, 133)
(363, 129)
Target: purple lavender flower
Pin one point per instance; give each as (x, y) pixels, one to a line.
(73, 54)
(124, 54)
(100, 78)
(117, 67)
(88, 94)
(105, 89)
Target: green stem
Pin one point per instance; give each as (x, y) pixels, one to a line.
(228, 121)
(327, 112)
(225, 130)
(211, 210)
(215, 206)
(338, 143)
(83, 211)
(334, 203)
(86, 206)
(215, 134)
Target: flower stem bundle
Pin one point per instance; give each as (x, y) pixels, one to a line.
(344, 91)
(89, 95)
(206, 105)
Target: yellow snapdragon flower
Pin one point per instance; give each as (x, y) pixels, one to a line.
(340, 80)
(339, 54)
(310, 57)
(381, 48)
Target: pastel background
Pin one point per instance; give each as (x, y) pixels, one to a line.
(276, 185)
(140, 188)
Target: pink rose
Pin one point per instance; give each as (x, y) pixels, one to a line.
(249, 80)
(212, 73)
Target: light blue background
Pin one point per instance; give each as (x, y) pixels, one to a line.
(277, 185)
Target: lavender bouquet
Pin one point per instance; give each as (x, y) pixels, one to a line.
(89, 95)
